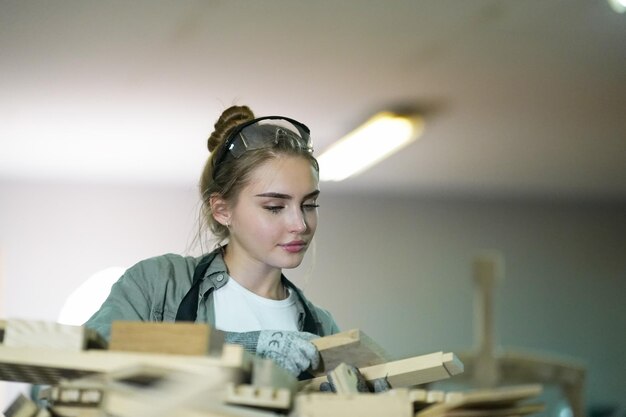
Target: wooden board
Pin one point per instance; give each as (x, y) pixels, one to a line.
(49, 366)
(520, 410)
(344, 380)
(266, 373)
(485, 399)
(353, 347)
(175, 338)
(406, 372)
(48, 335)
(22, 406)
(259, 397)
(394, 404)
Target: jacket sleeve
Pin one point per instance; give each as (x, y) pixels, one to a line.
(329, 326)
(128, 300)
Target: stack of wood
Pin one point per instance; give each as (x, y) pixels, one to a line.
(154, 369)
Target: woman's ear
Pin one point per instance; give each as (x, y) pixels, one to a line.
(220, 209)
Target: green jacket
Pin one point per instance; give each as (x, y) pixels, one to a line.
(152, 290)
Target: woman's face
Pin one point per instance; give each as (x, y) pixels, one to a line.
(275, 215)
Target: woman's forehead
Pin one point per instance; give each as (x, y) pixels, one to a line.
(286, 175)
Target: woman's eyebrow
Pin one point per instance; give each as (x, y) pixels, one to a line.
(287, 196)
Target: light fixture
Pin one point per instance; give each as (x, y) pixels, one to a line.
(618, 6)
(379, 137)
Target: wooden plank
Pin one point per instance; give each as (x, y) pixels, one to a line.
(422, 398)
(22, 406)
(344, 380)
(175, 338)
(414, 371)
(353, 347)
(501, 396)
(392, 404)
(19, 333)
(266, 373)
(520, 410)
(259, 397)
(75, 411)
(180, 394)
(49, 366)
(484, 399)
(405, 372)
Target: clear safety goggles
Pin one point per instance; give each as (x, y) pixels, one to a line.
(264, 132)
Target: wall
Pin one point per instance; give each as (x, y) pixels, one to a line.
(398, 268)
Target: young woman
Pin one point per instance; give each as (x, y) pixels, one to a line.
(259, 192)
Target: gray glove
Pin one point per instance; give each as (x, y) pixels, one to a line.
(376, 385)
(290, 349)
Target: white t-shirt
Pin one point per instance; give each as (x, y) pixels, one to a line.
(238, 309)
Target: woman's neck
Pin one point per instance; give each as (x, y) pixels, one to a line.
(254, 276)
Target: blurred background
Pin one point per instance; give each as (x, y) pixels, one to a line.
(105, 108)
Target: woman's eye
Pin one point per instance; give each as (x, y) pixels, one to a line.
(311, 206)
(273, 209)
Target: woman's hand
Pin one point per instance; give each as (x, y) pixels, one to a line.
(291, 350)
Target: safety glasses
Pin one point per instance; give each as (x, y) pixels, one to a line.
(264, 132)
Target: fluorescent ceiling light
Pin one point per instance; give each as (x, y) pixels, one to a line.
(381, 136)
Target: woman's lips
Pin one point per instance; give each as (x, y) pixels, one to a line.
(295, 246)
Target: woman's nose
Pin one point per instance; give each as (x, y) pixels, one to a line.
(298, 222)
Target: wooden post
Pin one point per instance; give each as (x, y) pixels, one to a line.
(487, 270)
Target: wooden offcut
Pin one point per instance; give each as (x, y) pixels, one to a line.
(267, 373)
(49, 366)
(22, 406)
(406, 372)
(494, 402)
(353, 347)
(396, 404)
(258, 397)
(174, 338)
(20, 333)
(344, 380)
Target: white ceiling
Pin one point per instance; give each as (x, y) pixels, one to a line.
(521, 98)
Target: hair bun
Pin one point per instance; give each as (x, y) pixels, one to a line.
(230, 118)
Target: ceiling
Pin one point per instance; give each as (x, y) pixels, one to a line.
(520, 98)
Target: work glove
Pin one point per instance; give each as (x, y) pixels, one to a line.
(291, 350)
(376, 385)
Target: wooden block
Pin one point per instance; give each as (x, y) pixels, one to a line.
(43, 412)
(225, 410)
(353, 347)
(20, 333)
(501, 396)
(396, 404)
(49, 366)
(520, 410)
(75, 411)
(22, 406)
(417, 370)
(422, 398)
(260, 397)
(180, 394)
(175, 338)
(77, 393)
(266, 373)
(484, 399)
(453, 364)
(344, 380)
(405, 372)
